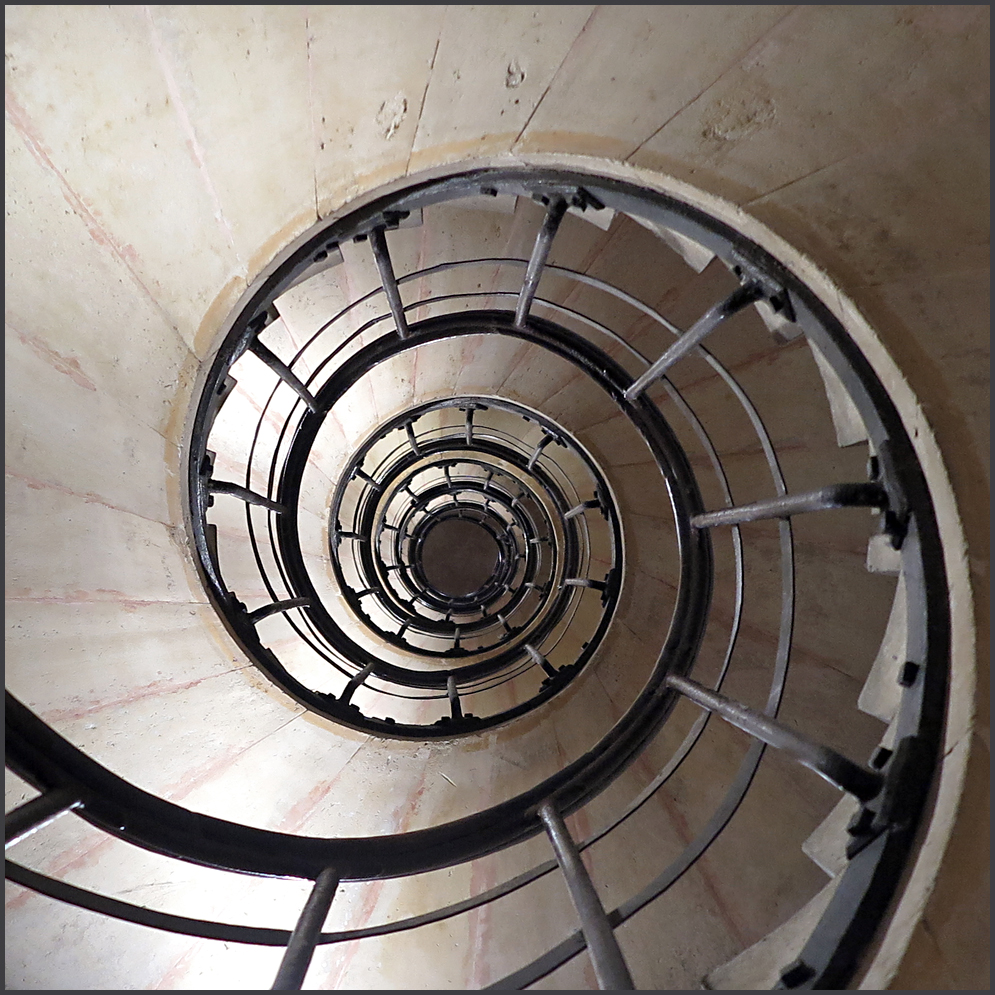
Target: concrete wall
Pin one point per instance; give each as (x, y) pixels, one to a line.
(158, 157)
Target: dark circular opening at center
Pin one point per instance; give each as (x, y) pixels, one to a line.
(458, 557)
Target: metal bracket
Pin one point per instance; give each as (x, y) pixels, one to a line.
(773, 292)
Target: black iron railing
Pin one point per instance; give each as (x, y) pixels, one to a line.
(409, 653)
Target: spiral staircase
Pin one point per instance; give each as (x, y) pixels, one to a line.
(550, 580)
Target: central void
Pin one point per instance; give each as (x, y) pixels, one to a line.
(458, 557)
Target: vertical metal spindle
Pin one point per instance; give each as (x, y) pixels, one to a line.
(382, 257)
(704, 326)
(276, 607)
(837, 769)
(412, 440)
(453, 694)
(367, 479)
(356, 681)
(609, 964)
(244, 494)
(284, 372)
(858, 495)
(537, 261)
(539, 659)
(304, 938)
(537, 452)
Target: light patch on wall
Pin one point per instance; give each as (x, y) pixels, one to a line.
(392, 112)
(515, 76)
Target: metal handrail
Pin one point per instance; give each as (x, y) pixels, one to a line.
(891, 796)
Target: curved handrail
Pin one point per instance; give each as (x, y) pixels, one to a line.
(882, 835)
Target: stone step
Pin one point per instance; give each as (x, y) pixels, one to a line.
(849, 426)
(881, 692)
(882, 557)
(760, 966)
(695, 255)
(826, 847)
(602, 218)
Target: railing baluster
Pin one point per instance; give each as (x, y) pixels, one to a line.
(453, 693)
(579, 509)
(540, 660)
(304, 938)
(413, 442)
(356, 681)
(244, 494)
(537, 452)
(826, 762)
(740, 298)
(358, 536)
(540, 253)
(38, 812)
(598, 585)
(861, 495)
(278, 606)
(284, 372)
(369, 590)
(378, 241)
(367, 479)
(609, 964)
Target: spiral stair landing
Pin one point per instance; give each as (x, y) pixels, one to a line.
(744, 914)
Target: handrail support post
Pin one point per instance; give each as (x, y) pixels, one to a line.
(606, 956)
(307, 932)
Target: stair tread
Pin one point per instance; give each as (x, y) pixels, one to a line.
(849, 425)
(695, 255)
(881, 692)
(826, 846)
(882, 557)
(760, 966)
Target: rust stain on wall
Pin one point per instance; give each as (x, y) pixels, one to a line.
(67, 365)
